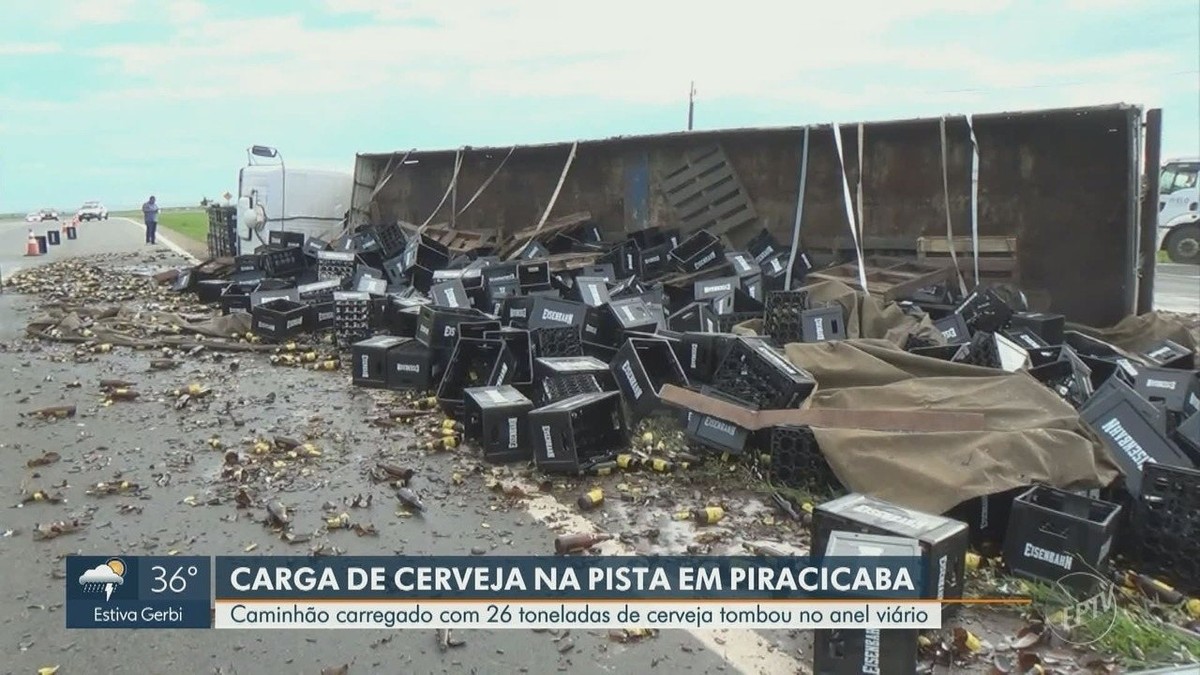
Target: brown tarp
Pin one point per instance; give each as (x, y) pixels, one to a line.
(122, 326)
(1030, 434)
(1138, 333)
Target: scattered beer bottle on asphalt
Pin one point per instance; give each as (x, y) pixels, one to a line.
(574, 543)
(591, 499)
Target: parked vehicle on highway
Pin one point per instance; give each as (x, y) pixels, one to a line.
(34, 217)
(92, 211)
(46, 214)
(1179, 210)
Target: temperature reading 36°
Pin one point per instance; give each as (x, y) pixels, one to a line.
(175, 583)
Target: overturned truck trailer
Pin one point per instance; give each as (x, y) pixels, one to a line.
(1057, 192)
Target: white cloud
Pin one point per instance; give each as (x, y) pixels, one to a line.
(186, 11)
(99, 11)
(626, 52)
(29, 48)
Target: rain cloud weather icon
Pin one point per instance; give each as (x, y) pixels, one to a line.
(103, 577)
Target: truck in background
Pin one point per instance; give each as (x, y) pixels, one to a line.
(1179, 210)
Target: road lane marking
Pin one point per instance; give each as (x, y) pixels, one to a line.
(175, 248)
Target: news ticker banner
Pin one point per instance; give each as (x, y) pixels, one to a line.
(396, 592)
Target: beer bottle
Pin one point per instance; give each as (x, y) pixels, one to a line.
(591, 499)
(409, 498)
(662, 465)
(629, 462)
(708, 515)
(573, 543)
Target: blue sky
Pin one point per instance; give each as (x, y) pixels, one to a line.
(117, 99)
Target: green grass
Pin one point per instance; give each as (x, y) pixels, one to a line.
(190, 222)
(1140, 634)
(1163, 257)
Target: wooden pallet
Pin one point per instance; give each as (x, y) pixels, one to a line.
(997, 257)
(705, 193)
(514, 242)
(889, 278)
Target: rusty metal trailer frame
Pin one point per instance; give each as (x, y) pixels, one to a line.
(1067, 184)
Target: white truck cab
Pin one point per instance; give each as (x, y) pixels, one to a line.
(272, 197)
(1179, 210)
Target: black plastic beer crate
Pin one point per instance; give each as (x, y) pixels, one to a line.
(473, 363)
(701, 353)
(391, 239)
(782, 315)
(564, 341)
(797, 461)
(640, 369)
(284, 239)
(557, 378)
(697, 317)
(1060, 369)
(1170, 354)
(1177, 390)
(699, 251)
(572, 432)
(235, 298)
(854, 652)
(762, 245)
(534, 274)
(823, 324)
(249, 263)
(437, 327)
(708, 289)
(988, 517)
(755, 371)
(478, 329)
(369, 359)
(549, 312)
(1060, 537)
(450, 294)
(280, 319)
(1133, 430)
(954, 328)
(413, 367)
(1166, 526)
(717, 434)
(497, 417)
(984, 310)
(943, 540)
(318, 291)
(281, 262)
(609, 324)
(337, 265)
(1045, 325)
(210, 290)
(352, 320)
(656, 261)
(321, 315)
(858, 652)
(591, 291)
(519, 344)
(1026, 337)
(625, 257)
(1187, 437)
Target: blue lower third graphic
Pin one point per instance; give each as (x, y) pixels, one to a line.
(139, 592)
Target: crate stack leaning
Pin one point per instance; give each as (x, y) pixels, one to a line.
(550, 346)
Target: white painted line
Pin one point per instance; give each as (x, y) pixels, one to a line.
(162, 240)
(744, 650)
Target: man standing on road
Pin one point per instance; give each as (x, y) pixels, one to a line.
(150, 214)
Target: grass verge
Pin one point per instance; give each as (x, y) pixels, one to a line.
(1139, 633)
(189, 222)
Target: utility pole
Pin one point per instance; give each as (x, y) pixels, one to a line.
(691, 105)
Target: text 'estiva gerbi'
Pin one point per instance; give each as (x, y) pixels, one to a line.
(483, 578)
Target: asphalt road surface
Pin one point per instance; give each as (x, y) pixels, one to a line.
(1177, 288)
(150, 443)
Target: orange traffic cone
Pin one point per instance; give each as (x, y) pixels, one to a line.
(31, 247)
